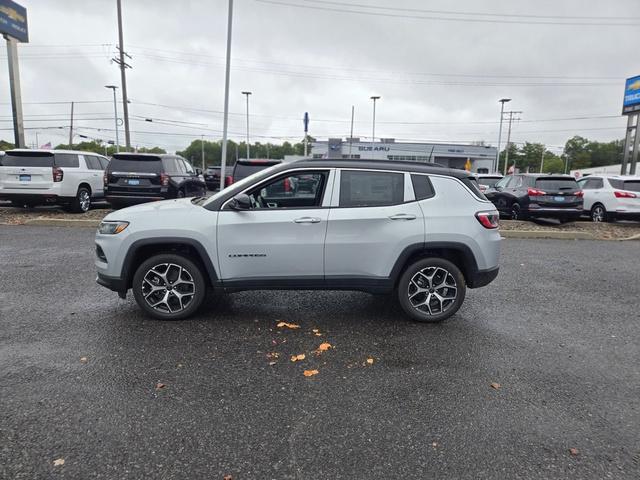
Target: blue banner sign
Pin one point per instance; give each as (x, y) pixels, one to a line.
(631, 95)
(13, 20)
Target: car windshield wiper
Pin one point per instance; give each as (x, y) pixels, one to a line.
(198, 200)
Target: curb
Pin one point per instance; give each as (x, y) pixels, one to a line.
(632, 237)
(59, 222)
(547, 235)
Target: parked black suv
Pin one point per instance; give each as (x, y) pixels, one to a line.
(212, 178)
(537, 195)
(134, 178)
(244, 168)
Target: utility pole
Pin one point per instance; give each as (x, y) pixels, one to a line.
(375, 98)
(353, 111)
(123, 76)
(506, 158)
(246, 94)
(115, 115)
(225, 122)
(71, 128)
(502, 102)
(16, 95)
(204, 167)
(542, 159)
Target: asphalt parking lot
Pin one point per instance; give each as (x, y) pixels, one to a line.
(88, 380)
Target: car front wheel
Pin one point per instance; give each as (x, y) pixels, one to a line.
(169, 287)
(599, 213)
(431, 290)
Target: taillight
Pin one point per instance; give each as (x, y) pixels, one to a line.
(58, 174)
(105, 178)
(228, 180)
(620, 194)
(483, 188)
(164, 179)
(579, 194)
(534, 192)
(490, 220)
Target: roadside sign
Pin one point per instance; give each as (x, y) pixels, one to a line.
(13, 21)
(631, 102)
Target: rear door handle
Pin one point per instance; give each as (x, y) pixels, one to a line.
(307, 220)
(402, 216)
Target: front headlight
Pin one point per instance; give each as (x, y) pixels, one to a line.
(112, 228)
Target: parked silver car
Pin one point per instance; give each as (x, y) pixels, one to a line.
(426, 233)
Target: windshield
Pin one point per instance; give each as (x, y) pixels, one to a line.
(137, 165)
(242, 183)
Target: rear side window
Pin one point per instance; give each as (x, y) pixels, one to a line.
(104, 163)
(592, 184)
(243, 170)
(136, 165)
(70, 160)
(10, 160)
(422, 187)
(556, 184)
(171, 166)
(472, 184)
(187, 166)
(629, 185)
(371, 189)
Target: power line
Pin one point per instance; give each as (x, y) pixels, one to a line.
(445, 19)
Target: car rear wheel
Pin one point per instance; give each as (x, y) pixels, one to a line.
(431, 290)
(169, 287)
(599, 213)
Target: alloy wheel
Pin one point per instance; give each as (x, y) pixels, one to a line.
(515, 212)
(432, 290)
(597, 214)
(84, 200)
(168, 288)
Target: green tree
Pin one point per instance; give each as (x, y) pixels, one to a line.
(4, 145)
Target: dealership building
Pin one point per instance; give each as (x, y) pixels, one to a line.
(479, 158)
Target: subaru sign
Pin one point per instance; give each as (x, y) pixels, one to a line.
(631, 102)
(13, 21)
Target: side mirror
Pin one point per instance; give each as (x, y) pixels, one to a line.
(241, 202)
(198, 171)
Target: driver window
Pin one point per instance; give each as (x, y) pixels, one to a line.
(298, 190)
(503, 182)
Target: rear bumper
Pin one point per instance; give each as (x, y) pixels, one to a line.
(134, 200)
(573, 212)
(35, 198)
(482, 278)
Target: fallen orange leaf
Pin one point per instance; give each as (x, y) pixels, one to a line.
(496, 386)
(315, 330)
(310, 373)
(160, 386)
(318, 334)
(324, 347)
(370, 361)
(288, 325)
(297, 358)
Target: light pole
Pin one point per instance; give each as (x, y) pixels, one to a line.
(225, 121)
(115, 114)
(204, 167)
(375, 98)
(246, 94)
(502, 102)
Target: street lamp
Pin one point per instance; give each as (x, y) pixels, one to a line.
(247, 95)
(115, 114)
(502, 102)
(375, 98)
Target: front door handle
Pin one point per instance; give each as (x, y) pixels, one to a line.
(402, 216)
(307, 220)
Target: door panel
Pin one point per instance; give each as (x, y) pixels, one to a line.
(271, 243)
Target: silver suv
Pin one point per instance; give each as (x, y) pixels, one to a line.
(426, 233)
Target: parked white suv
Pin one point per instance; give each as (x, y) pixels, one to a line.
(610, 197)
(52, 177)
(426, 233)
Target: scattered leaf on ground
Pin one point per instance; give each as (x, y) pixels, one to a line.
(297, 358)
(84, 359)
(370, 361)
(272, 363)
(324, 347)
(496, 386)
(310, 373)
(273, 355)
(293, 326)
(227, 477)
(318, 334)
(160, 386)
(573, 451)
(58, 462)
(180, 365)
(315, 330)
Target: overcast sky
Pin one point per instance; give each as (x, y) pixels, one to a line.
(439, 79)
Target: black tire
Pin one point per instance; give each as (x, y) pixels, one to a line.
(193, 286)
(516, 212)
(599, 213)
(82, 202)
(180, 193)
(443, 271)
